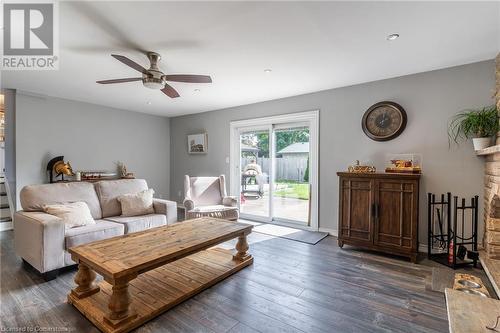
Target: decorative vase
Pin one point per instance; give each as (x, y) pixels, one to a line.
(481, 143)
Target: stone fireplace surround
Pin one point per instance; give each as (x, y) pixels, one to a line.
(490, 257)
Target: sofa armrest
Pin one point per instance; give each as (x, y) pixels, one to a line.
(39, 239)
(188, 204)
(230, 201)
(166, 207)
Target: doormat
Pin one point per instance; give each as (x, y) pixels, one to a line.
(304, 236)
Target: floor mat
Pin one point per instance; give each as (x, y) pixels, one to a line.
(304, 236)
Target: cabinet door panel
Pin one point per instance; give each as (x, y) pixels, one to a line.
(396, 221)
(356, 209)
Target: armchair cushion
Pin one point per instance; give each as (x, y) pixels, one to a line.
(203, 191)
(218, 211)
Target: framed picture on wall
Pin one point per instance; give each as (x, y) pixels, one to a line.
(197, 143)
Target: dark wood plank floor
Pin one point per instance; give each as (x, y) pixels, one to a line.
(291, 287)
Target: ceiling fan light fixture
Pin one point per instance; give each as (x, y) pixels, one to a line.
(154, 78)
(392, 37)
(153, 83)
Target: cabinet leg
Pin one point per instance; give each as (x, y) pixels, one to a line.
(413, 258)
(340, 243)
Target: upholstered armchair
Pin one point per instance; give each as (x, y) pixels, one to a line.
(207, 196)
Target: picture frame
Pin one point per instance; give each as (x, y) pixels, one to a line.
(197, 143)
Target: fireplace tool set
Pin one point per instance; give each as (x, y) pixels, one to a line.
(452, 230)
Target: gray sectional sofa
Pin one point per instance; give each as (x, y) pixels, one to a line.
(42, 240)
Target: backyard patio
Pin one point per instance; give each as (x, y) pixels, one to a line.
(290, 201)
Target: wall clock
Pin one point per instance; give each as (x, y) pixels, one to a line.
(384, 121)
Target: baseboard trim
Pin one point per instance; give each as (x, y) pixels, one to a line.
(332, 232)
(4, 226)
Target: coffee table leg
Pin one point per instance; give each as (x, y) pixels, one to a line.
(84, 278)
(242, 248)
(119, 304)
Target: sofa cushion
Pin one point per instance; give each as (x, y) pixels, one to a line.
(138, 203)
(139, 223)
(94, 232)
(108, 192)
(75, 214)
(34, 197)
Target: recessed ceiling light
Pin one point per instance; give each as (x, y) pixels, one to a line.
(392, 37)
(148, 102)
(197, 90)
(268, 70)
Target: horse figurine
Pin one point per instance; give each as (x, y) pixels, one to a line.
(57, 166)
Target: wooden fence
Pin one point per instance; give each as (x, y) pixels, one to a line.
(286, 168)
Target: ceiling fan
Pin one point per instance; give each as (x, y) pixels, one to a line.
(153, 78)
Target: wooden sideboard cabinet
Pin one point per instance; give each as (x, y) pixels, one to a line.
(379, 211)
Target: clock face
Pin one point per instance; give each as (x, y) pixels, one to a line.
(384, 121)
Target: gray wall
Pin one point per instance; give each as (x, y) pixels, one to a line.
(430, 99)
(91, 137)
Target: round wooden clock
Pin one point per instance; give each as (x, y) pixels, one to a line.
(384, 121)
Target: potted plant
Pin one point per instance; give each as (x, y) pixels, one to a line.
(479, 124)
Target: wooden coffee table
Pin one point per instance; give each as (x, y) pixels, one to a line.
(148, 272)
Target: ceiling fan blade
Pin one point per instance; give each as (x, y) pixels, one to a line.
(189, 78)
(130, 63)
(170, 91)
(130, 79)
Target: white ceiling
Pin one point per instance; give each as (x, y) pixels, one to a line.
(309, 47)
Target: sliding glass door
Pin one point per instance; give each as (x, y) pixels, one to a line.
(255, 166)
(291, 189)
(274, 173)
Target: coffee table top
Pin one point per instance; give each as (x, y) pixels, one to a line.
(142, 251)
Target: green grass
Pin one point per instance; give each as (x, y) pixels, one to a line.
(291, 189)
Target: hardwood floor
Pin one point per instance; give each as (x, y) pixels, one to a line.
(291, 287)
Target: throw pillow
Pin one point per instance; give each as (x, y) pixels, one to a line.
(137, 204)
(73, 214)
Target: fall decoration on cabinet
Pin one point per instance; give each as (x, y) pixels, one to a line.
(404, 163)
(357, 168)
